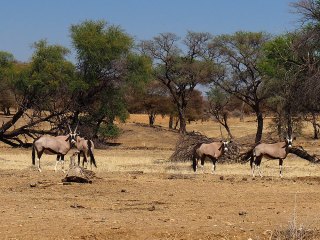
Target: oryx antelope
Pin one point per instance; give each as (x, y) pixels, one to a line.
(53, 145)
(211, 150)
(85, 148)
(277, 150)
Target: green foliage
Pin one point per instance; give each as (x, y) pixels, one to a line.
(112, 106)
(107, 67)
(109, 131)
(48, 71)
(217, 97)
(98, 46)
(280, 65)
(278, 56)
(139, 71)
(6, 63)
(6, 59)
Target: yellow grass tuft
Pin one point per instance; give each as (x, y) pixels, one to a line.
(146, 149)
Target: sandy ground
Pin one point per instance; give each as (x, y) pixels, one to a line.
(146, 197)
(139, 194)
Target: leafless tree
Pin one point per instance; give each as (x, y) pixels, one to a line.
(238, 56)
(179, 66)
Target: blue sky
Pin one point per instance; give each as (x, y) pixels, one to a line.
(23, 22)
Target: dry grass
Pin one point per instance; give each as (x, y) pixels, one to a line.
(156, 161)
(143, 149)
(148, 149)
(294, 231)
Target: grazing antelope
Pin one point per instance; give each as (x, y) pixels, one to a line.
(85, 148)
(52, 145)
(277, 150)
(212, 150)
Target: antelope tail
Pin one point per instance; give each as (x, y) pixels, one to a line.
(194, 163)
(245, 157)
(194, 156)
(33, 155)
(91, 154)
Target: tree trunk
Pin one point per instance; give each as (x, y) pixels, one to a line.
(176, 124)
(75, 118)
(242, 112)
(279, 125)
(226, 126)
(170, 121)
(289, 123)
(260, 126)
(315, 126)
(96, 130)
(152, 118)
(182, 119)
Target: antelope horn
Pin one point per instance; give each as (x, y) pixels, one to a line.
(75, 130)
(229, 137)
(221, 133)
(69, 127)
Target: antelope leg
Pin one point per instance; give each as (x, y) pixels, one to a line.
(280, 166)
(39, 168)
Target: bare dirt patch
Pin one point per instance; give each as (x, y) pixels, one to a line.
(121, 205)
(139, 194)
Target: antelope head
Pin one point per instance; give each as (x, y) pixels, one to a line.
(72, 135)
(289, 141)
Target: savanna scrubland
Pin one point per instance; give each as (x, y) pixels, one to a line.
(139, 194)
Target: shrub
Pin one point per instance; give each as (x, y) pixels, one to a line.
(109, 131)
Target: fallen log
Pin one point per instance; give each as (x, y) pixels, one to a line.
(300, 152)
(79, 174)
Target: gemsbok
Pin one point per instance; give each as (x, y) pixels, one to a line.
(212, 150)
(85, 148)
(277, 150)
(53, 145)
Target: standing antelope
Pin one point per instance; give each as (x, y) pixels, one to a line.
(277, 150)
(85, 148)
(212, 150)
(52, 145)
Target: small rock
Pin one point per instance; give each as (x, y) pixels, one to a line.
(75, 205)
(152, 208)
(123, 190)
(221, 177)
(242, 213)
(33, 184)
(244, 179)
(209, 217)
(231, 179)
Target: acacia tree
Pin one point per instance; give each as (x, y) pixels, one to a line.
(152, 99)
(6, 93)
(180, 68)
(218, 107)
(306, 48)
(238, 56)
(42, 94)
(106, 64)
(292, 62)
(195, 108)
(284, 84)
